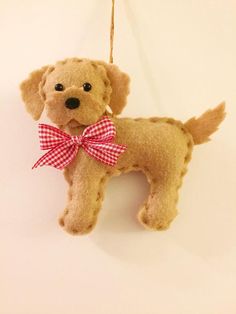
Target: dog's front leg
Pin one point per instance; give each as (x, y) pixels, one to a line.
(86, 192)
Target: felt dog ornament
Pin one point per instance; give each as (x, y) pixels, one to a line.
(92, 145)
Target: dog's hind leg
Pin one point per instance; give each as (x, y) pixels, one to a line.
(160, 208)
(165, 178)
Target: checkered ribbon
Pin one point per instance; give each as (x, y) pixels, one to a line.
(96, 140)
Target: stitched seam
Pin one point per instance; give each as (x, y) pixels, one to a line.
(145, 169)
(187, 157)
(99, 198)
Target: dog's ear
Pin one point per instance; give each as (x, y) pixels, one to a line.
(30, 93)
(120, 87)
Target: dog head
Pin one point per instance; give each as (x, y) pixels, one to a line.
(75, 91)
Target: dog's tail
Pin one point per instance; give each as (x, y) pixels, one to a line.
(202, 127)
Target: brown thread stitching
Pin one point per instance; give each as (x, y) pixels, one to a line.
(99, 198)
(186, 160)
(123, 168)
(43, 81)
(94, 65)
(147, 172)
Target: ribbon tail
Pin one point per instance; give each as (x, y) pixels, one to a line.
(106, 153)
(58, 157)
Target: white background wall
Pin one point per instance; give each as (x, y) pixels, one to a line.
(181, 56)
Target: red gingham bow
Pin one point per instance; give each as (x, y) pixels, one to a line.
(95, 140)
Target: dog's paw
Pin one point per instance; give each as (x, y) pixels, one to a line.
(74, 224)
(159, 223)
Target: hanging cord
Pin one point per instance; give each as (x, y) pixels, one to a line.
(142, 52)
(112, 31)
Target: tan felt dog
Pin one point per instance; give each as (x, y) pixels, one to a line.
(75, 94)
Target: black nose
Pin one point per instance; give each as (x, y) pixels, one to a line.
(72, 103)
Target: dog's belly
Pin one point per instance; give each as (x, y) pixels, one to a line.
(160, 145)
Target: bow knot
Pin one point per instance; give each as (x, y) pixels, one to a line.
(78, 140)
(62, 148)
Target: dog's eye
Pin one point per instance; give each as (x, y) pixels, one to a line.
(87, 87)
(59, 87)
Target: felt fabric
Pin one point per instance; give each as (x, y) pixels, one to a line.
(159, 147)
